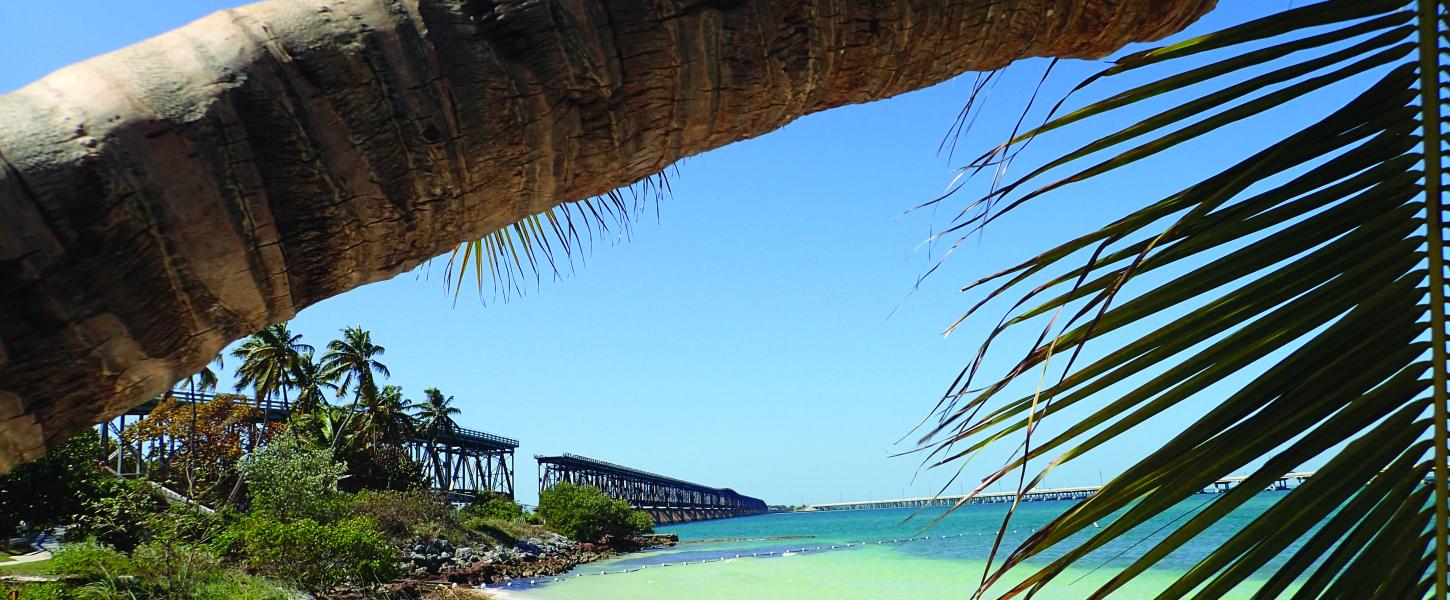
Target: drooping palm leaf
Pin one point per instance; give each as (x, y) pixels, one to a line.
(549, 241)
(1321, 252)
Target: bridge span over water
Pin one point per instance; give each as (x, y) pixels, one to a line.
(667, 499)
(1289, 480)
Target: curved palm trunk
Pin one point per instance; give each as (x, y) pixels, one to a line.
(160, 201)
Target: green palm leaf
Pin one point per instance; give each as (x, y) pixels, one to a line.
(528, 248)
(1309, 283)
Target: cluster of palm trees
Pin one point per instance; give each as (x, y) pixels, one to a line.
(368, 426)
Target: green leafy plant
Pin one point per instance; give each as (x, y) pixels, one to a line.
(313, 555)
(90, 560)
(587, 514)
(117, 514)
(404, 515)
(174, 570)
(45, 493)
(492, 506)
(287, 482)
(237, 586)
(43, 591)
(1306, 309)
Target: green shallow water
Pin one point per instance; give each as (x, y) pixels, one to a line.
(940, 567)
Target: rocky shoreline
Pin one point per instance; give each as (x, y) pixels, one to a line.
(439, 562)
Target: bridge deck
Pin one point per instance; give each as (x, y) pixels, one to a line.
(589, 464)
(667, 499)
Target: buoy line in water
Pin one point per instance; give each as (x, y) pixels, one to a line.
(538, 580)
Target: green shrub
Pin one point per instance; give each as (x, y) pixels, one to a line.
(404, 515)
(174, 570)
(288, 483)
(236, 586)
(494, 507)
(117, 515)
(43, 591)
(47, 491)
(90, 560)
(314, 555)
(586, 514)
(186, 525)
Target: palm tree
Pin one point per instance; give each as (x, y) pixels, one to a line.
(354, 359)
(385, 417)
(435, 413)
(432, 416)
(1304, 308)
(332, 429)
(205, 380)
(308, 231)
(269, 359)
(312, 383)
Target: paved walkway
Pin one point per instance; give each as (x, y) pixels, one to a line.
(25, 558)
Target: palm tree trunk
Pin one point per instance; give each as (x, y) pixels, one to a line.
(261, 159)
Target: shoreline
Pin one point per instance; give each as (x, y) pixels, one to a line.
(527, 559)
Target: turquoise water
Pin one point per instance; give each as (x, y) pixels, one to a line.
(948, 565)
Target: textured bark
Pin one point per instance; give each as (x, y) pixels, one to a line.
(163, 200)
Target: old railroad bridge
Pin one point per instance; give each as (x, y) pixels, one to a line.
(469, 463)
(667, 499)
(1036, 495)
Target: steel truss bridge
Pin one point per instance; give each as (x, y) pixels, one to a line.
(1288, 481)
(470, 462)
(667, 499)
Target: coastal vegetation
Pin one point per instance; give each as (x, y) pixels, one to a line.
(586, 513)
(325, 502)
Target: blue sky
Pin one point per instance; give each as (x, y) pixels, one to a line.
(747, 338)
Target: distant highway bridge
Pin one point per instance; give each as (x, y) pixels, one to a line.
(1288, 481)
(666, 499)
(470, 462)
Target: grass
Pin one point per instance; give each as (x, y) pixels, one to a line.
(504, 532)
(37, 567)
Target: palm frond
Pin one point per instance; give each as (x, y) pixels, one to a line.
(1307, 281)
(551, 241)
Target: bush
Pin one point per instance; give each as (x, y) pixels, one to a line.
(187, 526)
(175, 570)
(288, 483)
(494, 507)
(43, 591)
(315, 556)
(90, 560)
(404, 516)
(235, 586)
(45, 492)
(117, 515)
(586, 514)
(384, 467)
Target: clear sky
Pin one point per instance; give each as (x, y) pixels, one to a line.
(747, 338)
